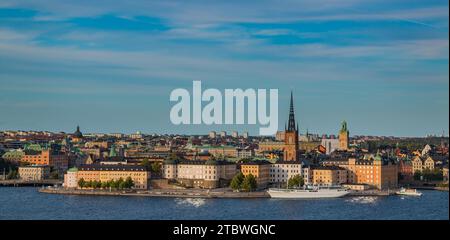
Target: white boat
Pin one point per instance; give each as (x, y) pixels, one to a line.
(409, 192)
(308, 192)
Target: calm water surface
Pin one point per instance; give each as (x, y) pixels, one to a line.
(27, 203)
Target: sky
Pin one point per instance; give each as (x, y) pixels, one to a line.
(109, 66)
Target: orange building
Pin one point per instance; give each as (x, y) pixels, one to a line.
(259, 169)
(46, 157)
(328, 175)
(343, 137)
(374, 172)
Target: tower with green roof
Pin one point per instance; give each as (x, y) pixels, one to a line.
(343, 137)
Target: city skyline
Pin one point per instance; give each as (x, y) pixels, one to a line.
(381, 66)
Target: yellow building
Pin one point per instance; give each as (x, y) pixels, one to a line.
(260, 170)
(419, 163)
(105, 173)
(328, 175)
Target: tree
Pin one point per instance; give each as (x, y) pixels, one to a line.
(54, 175)
(417, 175)
(104, 185)
(236, 182)
(81, 183)
(155, 168)
(296, 181)
(249, 183)
(146, 164)
(119, 183)
(129, 183)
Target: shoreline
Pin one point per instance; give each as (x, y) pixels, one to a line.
(191, 193)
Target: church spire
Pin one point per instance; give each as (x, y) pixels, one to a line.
(291, 123)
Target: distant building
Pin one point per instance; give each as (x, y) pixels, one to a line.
(343, 137)
(282, 171)
(291, 136)
(260, 170)
(235, 134)
(245, 134)
(405, 170)
(200, 174)
(246, 152)
(212, 134)
(328, 175)
(330, 145)
(14, 156)
(77, 136)
(421, 163)
(105, 173)
(223, 134)
(34, 172)
(71, 178)
(445, 174)
(46, 156)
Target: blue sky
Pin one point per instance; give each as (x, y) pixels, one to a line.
(110, 66)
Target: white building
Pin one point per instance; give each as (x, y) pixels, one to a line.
(235, 134)
(281, 171)
(245, 135)
(70, 178)
(330, 144)
(223, 134)
(212, 134)
(34, 172)
(246, 152)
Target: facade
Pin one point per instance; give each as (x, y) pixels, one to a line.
(212, 134)
(200, 174)
(105, 173)
(13, 156)
(328, 175)
(260, 170)
(375, 172)
(34, 172)
(421, 163)
(235, 134)
(330, 145)
(245, 152)
(282, 171)
(71, 178)
(343, 137)
(291, 136)
(445, 174)
(55, 159)
(405, 170)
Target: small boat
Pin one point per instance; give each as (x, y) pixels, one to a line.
(409, 192)
(308, 192)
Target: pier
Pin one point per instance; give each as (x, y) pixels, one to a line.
(27, 183)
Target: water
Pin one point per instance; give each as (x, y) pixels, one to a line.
(27, 203)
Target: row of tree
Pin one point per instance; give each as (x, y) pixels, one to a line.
(115, 184)
(429, 175)
(243, 183)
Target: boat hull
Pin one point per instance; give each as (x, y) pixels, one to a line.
(307, 194)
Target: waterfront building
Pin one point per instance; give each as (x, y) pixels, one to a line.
(343, 137)
(260, 170)
(105, 173)
(200, 174)
(420, 163)
(34, 172)
(282, 171)
(328, 175)
(71, 178)
(375, 171)
(291, 136)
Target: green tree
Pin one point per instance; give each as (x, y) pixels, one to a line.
(237, 180)
(54, 175)
(249, 183)
(155, 168)
(104, 185)
(129, 182)
(119, 183)
(146, 164)
(296, 181)
(81, 183)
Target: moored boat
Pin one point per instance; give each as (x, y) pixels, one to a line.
(308, 192)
